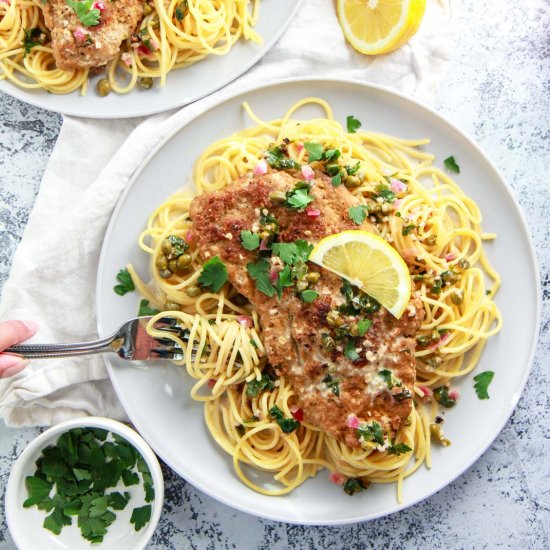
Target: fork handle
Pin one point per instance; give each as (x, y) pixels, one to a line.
(45, 351)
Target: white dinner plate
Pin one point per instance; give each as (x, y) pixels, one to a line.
(183, 86)
(157, 398)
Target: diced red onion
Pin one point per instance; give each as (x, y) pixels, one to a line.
(189, 236)
(450, 256)
(211, 383)
(443, 338)
(143, 49)
(263, 245)
(98, 6)
(397, 186)
(127, 58)
(454, 394)
(426, 391)
(397, 204)
(245, 321)
(410, 254)
(336, 478)
(352, 421)
(79, 33)
(312, 212)
(261, 168)
(307, 172)
(297, 414)
(299, 147)
(273, 276)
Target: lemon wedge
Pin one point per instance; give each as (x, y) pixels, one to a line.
(368, 262)
(379, 26)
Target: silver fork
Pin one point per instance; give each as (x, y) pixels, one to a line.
(131, 341)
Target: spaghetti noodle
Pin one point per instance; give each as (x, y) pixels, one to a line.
(460, 314)
(174, 39)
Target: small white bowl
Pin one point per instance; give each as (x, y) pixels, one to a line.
(25, 524)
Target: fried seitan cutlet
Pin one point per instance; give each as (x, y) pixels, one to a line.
(77, 46)
(334, 372)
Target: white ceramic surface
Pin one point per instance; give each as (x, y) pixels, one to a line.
(183, 86)
(25, 524)
(157, 397)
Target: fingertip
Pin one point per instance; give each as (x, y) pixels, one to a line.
(10, 365)
(31, 325)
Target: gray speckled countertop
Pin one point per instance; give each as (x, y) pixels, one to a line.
(497, 90)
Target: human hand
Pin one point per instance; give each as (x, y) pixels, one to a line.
(11, 333)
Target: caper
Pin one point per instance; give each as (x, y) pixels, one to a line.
(408, 421)
(362, 176)
(301, 286)
(184, 261)
(431, 240)
(435, 336)
(103, 87)
(423, 340)
(431, 363)
(429, 280)
(239, 300)
(264, 234)
(171, 306)
(147, 10)
(450, 277)
(437, 434)
(332, 169)
(162, 263)
(352, 182)
(353, 330)
(457, 297)
(278, 197)
(375, 208)
(146, 82)
(165, 274)
(193, 291)
(328, 342)
(463, 264)
(166, 247)
(173, 265)
(334, 319)
(313, 277)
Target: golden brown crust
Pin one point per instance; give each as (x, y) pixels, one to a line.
(292, 330)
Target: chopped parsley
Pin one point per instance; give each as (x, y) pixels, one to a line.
(287, 425)
(79, 468)
(482, 381)
(451, 165)
(299, 197)
(278, 159)
(181, 11)
(407, 229)
(389, 378)
(255, 387)
(309, 296)
(370, 431)
(314, 150)
(250, 240)
(292, 253)
(441, 395)
(31, 39)
(284, 279)
(363, 326)
(214, 274)
(126, 283)
(358, 213)
(259, 271)
(336, 180)
(352, 170)
(179, 246)
(350, 352)
(355, 485)
(385, 193)
(88, 17)
(399, 449)
(333, 384)
(353, 124)
(145, 310)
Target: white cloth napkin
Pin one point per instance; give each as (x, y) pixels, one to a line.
(53, 276)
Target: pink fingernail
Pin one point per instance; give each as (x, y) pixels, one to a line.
(10, 365)
(31, 325)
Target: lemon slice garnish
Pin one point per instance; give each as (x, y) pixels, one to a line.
(368, 262)
(379, 26)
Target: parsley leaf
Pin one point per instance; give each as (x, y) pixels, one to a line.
(358, 213)
(30, 39)
(179, 246)
(482, 381)
(287, 425)
(353, 124)
(309, 296)
(278, 159)
(354, 485)
(304, 249)
(255, 387)
(333, 384)
(407, 229)
(250, 240)
(336, 180)
(145, 310)
(441, 395)
(350, 352)
(259, 271)
(88, 17)
(451, 165)
(126, 283)
(299, 197)
(284, 279)
(292, 253)
(315, 151)
(38, 488)
(399, 449)
(388, 377)
(214, 274)
(140, 516)
(370, 431)
(384, 192)
(363, 326)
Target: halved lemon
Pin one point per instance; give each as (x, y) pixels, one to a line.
(379, 26)
(368, 262)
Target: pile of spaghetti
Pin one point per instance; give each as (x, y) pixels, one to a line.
(432, 224)
(176, 33)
